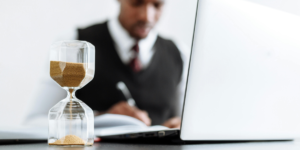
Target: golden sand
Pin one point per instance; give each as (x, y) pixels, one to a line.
(69, 140)
(67, 74)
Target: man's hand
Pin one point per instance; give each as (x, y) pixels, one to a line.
(173, 123)
(123, 108)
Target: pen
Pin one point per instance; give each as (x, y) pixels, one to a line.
(123, 88)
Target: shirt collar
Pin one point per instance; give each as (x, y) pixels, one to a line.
(124, 42)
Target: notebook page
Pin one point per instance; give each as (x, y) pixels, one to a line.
(112, 120)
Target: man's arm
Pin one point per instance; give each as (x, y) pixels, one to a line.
(174, 122)
(123, 108)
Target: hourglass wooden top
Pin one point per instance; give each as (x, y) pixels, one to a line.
(68, 74)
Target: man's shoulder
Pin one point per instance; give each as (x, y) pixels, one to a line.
(166, 40)
(175, 46)
(92, 31)
(167, 43)
(96, 26)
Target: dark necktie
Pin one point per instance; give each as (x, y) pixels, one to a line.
(135, 63)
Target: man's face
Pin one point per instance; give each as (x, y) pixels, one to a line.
(138, 17)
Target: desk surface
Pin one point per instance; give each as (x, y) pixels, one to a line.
(286, 145)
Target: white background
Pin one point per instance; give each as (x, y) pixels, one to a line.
(28, 27)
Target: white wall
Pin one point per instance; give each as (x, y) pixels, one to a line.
(27, 29)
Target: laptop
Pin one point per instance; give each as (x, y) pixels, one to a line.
(243, 82)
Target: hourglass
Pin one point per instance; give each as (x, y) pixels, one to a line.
(71, 121)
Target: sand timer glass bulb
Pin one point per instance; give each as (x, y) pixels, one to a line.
(71, 121)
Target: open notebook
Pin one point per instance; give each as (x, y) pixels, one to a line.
(107, 124)
(111, 124)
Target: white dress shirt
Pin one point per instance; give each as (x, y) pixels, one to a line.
(124, 43)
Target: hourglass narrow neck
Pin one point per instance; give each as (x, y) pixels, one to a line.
(71, 93)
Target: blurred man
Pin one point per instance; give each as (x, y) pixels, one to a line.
(129, 50)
